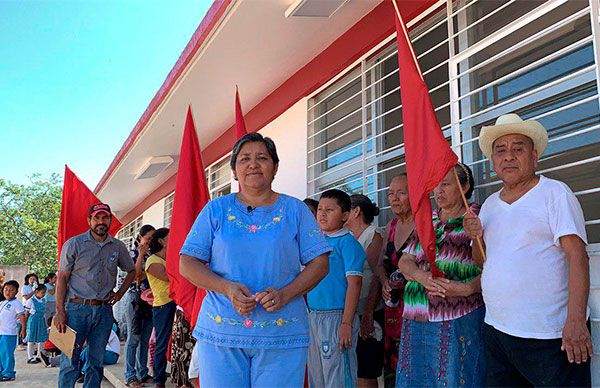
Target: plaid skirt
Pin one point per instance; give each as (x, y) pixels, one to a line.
(37, 331)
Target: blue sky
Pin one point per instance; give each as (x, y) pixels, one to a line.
(75, 77)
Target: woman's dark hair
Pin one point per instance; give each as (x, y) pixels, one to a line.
(313, 204)
(465, 175)
(143, 231)
(253, 137)
(49, 276)
(41, 287)
(29, 275)
(13, 283)
(368, 209)
(342, 199)
(155, 245)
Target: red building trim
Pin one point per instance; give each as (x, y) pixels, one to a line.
(348, 48)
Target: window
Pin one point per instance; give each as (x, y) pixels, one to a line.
(168, 210)
(128, 233)
(219, 178)
(544, 69)
(355, 140)
(534, 58)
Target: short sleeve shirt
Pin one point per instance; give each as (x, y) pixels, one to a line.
(93, 265)
(525, 276)
(160, 288)
(261, 248)
(453, 257)
(347, 259)
(49, 297)
(9, 311)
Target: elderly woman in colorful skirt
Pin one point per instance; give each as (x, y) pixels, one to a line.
(246, 249)
(441, 342)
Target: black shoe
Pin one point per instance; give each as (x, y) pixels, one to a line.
(133, 382)
(33, 361)
(146, 380)
(45, 359)
(81, 378)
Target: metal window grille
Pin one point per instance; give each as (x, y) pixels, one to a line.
(481, 59)
(168, 210)
(128, 233)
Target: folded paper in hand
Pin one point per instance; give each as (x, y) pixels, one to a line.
(64, 341)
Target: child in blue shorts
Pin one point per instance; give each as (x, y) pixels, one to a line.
(333, 320)
(11, 310)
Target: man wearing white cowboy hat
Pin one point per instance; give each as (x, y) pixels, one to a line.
(535, 281)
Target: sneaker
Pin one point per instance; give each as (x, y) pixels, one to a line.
(4, 378)
(33, 361)
(45, 359)
(146, 380)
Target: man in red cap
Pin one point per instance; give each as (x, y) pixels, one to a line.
(84, 293)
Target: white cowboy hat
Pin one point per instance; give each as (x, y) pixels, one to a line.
(512, 124)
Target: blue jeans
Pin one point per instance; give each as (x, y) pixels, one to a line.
(136, 346)
(110, 358)
(162, 317)
(93, 325)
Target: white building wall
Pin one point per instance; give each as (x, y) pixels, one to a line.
(155, 214)
(289, 132)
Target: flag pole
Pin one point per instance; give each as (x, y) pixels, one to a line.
(462, 194)
(414, 57)
(412, 51)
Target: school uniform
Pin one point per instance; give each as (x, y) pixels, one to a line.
(10, 310)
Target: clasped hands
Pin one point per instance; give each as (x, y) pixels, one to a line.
(245, 301)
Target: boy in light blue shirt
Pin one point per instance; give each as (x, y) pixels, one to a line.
(333, 320)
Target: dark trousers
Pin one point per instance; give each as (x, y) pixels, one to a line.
(525, 362)
(162, 317)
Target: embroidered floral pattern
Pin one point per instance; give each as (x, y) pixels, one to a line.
(249, 323)
(444, 352)
(404, 361)
(253, 228)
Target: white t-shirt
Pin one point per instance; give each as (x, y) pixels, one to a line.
(113, 344)
(525, 277)
(9, 311)
(365, 239)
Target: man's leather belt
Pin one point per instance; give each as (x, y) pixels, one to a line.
(92, 302)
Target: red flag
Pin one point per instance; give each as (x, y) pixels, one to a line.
(191, 194)
(76, 202)
(428, 155)
(240, 124)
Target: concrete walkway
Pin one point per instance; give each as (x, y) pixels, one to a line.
(37, 375)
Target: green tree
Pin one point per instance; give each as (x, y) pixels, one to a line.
(29, 216)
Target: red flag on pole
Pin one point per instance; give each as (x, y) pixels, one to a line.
(76, 202)
(191, 194)
(428, 155)
(240, 124)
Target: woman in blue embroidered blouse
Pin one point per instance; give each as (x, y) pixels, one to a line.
(252, 329)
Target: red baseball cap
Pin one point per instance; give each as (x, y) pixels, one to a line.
(99, 208)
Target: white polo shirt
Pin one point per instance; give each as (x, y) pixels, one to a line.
(525, 277)
(9, 311)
